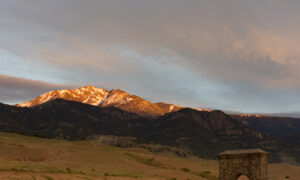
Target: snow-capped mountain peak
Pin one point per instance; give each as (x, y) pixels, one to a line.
(104, 98)
(87, 94)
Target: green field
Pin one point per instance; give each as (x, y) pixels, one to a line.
(31, 158)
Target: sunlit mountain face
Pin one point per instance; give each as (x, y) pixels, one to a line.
(106, 98)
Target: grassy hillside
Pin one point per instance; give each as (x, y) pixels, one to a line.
(30, 158)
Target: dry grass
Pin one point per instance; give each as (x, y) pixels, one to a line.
(31, 158)
(284, 171)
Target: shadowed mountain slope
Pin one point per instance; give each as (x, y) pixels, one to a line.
(202, 133)
(207, 133)
(67, 119)
(274, 126)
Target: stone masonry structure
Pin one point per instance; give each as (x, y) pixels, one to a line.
(252, 163)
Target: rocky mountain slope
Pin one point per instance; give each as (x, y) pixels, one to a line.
(285, 130)
(274, 126)
(207, 133)
(68, 120)
(292, 144)
(104, 98)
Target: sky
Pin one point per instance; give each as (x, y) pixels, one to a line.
(238, 55)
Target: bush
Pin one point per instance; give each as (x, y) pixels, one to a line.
(69, 170)
(185, 169)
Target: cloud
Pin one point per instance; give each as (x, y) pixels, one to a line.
(168, 49)
(14, 89)
(215, 38)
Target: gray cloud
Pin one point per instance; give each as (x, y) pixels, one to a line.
(198, 53)
(211, 36)
(14, 89)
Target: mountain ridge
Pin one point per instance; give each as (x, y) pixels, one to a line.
(200, 132)
(106, 98)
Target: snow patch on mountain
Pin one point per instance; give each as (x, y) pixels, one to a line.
(104, 98)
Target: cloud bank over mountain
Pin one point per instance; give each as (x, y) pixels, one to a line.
(14, 89)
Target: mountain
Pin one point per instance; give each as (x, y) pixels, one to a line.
(292, 144)
(285, 130)
(207, 133)
(77, 114)
(274, 126)
(201, 133)
(104, 98)
(68, 120)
